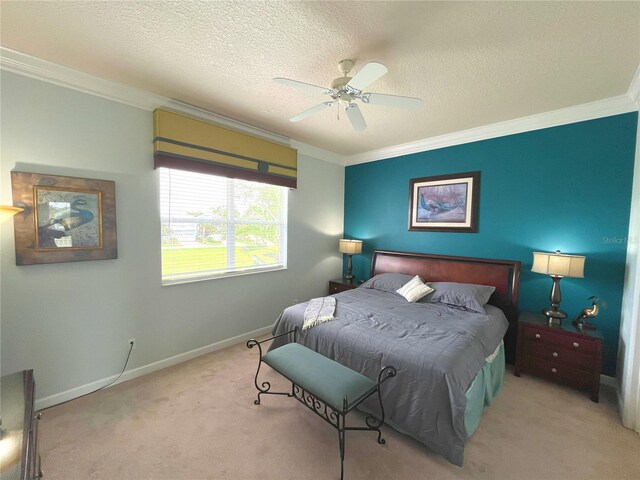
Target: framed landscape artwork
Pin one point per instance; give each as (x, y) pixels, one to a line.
(65, 219)
(446, 203)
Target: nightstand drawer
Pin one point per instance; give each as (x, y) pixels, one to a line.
(337, 286)
(551, 352)
(560, 339)
(563, 373)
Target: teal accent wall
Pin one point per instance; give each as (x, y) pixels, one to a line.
(564, 188)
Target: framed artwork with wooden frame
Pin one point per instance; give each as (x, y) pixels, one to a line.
(65, 219)
(444, 203)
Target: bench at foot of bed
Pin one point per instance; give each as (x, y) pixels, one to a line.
(326, 387)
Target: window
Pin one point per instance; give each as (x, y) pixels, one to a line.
(216, 226)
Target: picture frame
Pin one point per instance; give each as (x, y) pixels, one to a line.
(64, 219)
(445, 203)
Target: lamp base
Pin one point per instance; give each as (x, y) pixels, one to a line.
(554, 316)
(349, 276)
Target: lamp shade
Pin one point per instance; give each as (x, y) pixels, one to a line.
(352, 247)
(558, 264)
(6, 212)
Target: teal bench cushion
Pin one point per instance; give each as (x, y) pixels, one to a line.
(318, 375)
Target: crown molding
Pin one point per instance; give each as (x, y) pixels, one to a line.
(634, 89)
(318, 153)
(578, 113)
(27, 65)
(23, 64)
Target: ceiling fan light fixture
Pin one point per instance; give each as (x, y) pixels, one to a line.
(345, 98)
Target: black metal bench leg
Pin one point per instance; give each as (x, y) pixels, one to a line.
(264, 387)
(374, 423)
(341, 438)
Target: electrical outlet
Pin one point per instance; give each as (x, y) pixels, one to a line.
(132, 341)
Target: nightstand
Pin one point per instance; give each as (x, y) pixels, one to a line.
(340, 285)
(563, 354)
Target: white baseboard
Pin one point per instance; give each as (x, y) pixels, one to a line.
(620, 403)
(57, 398)
(609, 381)
(72, 393)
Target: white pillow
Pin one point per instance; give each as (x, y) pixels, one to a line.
(414, 290)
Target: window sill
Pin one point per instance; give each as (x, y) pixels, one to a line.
(181, 281)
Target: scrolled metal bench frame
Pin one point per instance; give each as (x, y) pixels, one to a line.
(334, 417)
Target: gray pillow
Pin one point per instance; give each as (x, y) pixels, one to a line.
(387, 282)
(466, 295)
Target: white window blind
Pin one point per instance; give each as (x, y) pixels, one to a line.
(216, 226)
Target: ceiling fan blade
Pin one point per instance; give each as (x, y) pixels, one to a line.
(307, 87)
(355, 116)
(371, 72)
(410, 103)
(311, 111)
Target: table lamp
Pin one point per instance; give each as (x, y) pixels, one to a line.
(350, 247)
(557, 265)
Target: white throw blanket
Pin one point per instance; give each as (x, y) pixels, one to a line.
(319, 310)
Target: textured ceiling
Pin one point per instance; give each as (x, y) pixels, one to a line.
(473, 63)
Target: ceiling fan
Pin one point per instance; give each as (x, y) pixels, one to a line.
(346, 90)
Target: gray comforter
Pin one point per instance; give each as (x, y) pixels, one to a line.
(437, 349)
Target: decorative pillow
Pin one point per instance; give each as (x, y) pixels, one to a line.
(467, 295)
(414, 290)
(387, 282)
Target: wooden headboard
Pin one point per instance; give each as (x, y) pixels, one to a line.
(504, 275)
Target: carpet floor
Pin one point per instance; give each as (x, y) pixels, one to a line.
(197, 420)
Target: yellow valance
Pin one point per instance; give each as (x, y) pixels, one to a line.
(186, 143)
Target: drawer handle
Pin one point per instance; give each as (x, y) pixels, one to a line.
(576, 344)
(555, 354)
(554, 370)
(538, 336)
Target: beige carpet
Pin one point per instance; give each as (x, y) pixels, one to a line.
(197, 420)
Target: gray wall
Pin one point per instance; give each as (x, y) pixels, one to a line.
(70, 322)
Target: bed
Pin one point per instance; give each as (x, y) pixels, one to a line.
(450, 360)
